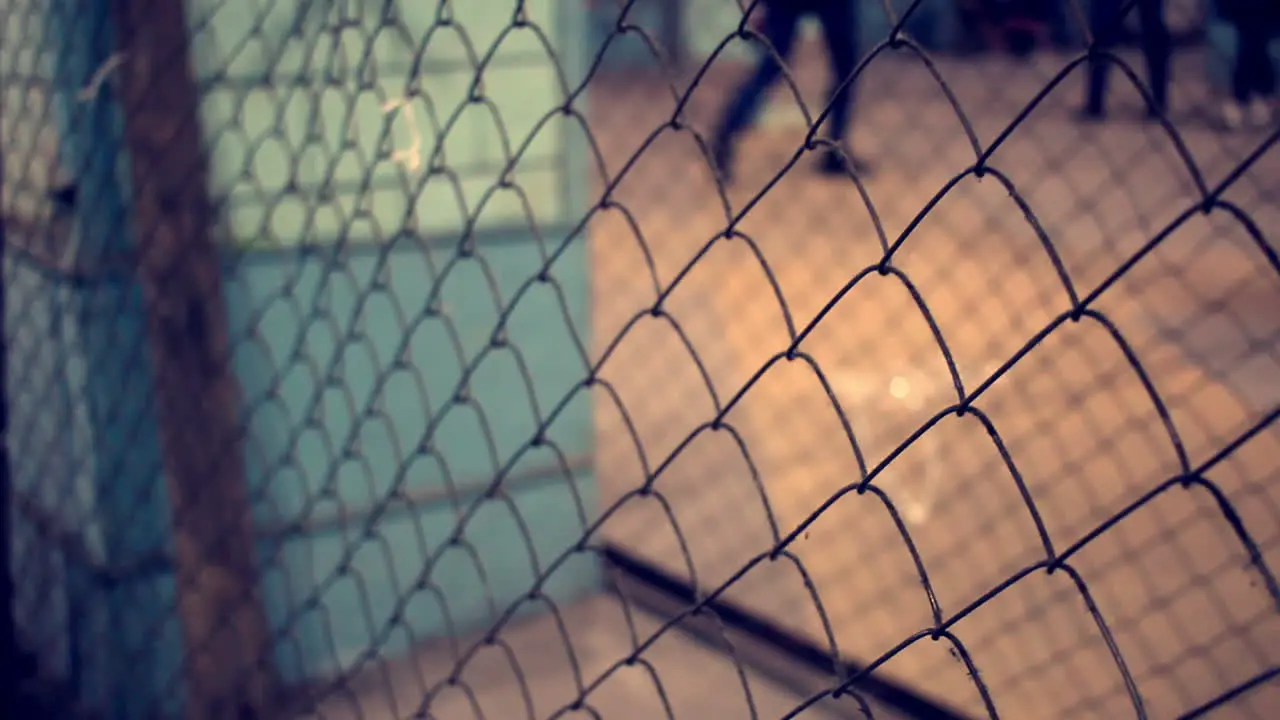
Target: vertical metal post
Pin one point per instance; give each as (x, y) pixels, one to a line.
(228, 665)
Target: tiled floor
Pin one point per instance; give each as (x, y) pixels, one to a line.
(1183, 357)
(538, 668)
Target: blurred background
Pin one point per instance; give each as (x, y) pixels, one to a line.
(389, 361)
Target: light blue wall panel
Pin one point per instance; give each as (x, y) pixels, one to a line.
(308, 150)
(707, 23)
(369, 355)
(108, 379)
(85, 463)
(104, 320)
(385, 601)
(350, 357)
(46, 486)
(149, 659)
(627, 51)
(321, 134)
(345, 372)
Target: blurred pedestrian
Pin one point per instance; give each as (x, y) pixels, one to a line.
(779, 26)
(1253, 78)
(1106, 23)
(1015, 26)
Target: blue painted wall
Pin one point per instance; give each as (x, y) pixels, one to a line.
(338, 239)
(322, 446)
(320, 136)
(51, 484)
(77, 474)
(351, 351)
(121, 636)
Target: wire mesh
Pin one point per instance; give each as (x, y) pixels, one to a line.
(994, 419)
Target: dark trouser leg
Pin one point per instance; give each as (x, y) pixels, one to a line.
(1266, 80)
(780, 26)
(840, 30)
(1062, 24)
(1156, 49)
(1253, 73)
(970, 22)
(1105, 25)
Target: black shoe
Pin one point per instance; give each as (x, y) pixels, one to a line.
(834, 163)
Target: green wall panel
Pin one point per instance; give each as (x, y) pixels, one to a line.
(328, 123)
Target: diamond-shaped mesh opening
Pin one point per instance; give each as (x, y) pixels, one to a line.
(478, 360)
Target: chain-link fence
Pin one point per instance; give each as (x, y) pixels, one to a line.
(377, 359)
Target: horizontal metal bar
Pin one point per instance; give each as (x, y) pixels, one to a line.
(463, 492)
(791, 660)
(158, 563)
(400, 72)
(120, 268)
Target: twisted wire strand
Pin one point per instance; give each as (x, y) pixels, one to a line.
(473, 348)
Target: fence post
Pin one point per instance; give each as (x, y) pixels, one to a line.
(228, 663)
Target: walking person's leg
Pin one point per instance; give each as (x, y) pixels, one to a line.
(1264, 79)
(781, 21)
(839, 22)
(1246, 65)
(1105, 24)
(1265, 85)
(1233, 109)
(1157, 48)
(1252, 78)
(970, 24)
